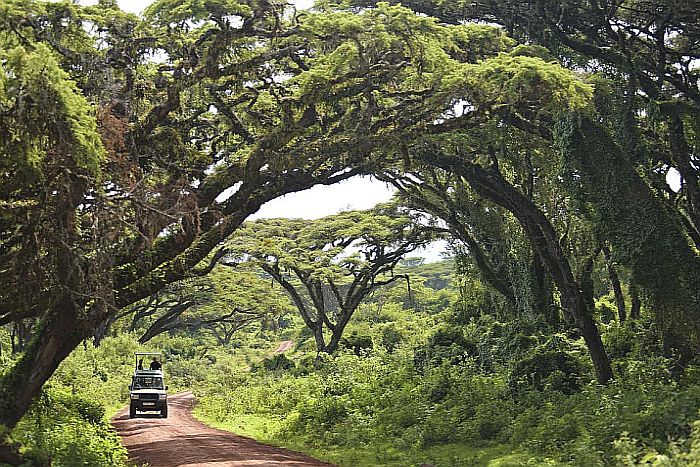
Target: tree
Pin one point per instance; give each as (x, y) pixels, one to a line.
(224, 302)
(642, 53)
(330, 265)
(464, 150)
(647, 236)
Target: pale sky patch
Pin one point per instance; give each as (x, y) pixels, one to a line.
(137, 6)
(356, 193)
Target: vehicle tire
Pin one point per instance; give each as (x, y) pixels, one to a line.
(132, 411)
(164, 412)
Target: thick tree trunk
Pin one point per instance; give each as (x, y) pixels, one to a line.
(58, 334)
(333, 343)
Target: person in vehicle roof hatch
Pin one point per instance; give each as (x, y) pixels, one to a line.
(155, 364)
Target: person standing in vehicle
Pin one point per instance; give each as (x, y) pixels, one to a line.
(155, 364)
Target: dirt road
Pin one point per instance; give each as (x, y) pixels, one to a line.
(180, 440)
(283, 347)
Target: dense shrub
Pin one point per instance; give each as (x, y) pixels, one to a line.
(391, 337)
(278, 362)
(445, 345)
(538, 399)
(66, 429)
(545, 368)
(357, 343)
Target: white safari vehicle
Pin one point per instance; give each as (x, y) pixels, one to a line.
(147, 389)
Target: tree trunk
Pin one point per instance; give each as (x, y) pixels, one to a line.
(66, 324)
(586, 279)
(636, 303)
(345, 315)
(601, 362)
(544, 301)
(58, 334)
(617, 288)
(318, 336)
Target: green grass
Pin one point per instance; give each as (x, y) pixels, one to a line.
(267, 430)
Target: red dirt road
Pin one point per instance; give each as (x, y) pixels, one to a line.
(181, 440)
(283, 347)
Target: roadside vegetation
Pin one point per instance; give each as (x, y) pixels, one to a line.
(439, 386)
(422, 379)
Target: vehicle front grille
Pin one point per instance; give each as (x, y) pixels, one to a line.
(148, 397)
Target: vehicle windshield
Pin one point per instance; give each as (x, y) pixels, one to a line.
(148, 382)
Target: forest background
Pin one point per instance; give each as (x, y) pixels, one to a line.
(537, 138)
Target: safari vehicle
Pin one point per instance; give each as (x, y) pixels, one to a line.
(147, 389)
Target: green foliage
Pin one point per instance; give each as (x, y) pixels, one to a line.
(251, 97)
(68, 424)
(647, 236)
(681, 452)
(173, 12)
(49, 113)
(536, 398)
(544, 368)
(519, 80)
(356, 342)
(278, 362)
(68, 429)
(446, 345)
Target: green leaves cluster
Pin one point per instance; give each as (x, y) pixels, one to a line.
(43, 111)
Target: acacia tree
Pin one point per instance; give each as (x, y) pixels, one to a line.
(473, 161)
(544, 240)
(487, 237)
(643, 230)
(647, 97)
(328, 266)
(222, 303)
(510, 101)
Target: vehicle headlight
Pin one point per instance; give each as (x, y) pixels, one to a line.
(134, 396)
(162, 396)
